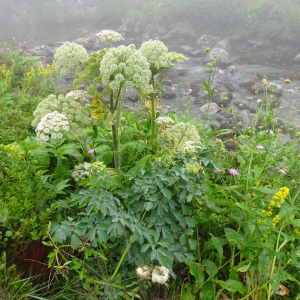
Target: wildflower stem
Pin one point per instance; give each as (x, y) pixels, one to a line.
(273, 265)
(121, 260)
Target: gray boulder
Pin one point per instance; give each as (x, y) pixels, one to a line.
(223, 58)
(213, 108)
(224, 44)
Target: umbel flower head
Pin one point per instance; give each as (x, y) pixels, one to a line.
(125, 67)
(156, 55)
(110, 35)
(81, 171)
(69, 56)
(52, 127)
(73, 111)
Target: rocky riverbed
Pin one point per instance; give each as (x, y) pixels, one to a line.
(241, 65)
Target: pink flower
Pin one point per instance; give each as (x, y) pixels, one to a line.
(281, 171)
(217, 171)
(281, 107)
(260, 147)
(291, 128)
(258, 101)
(14, 38)
(271, 132)
(173, 88)
(233, 172)
(7, 48)
(291, 91)
(91, 151)
(168, 106)
(19, 44)
(24, 42)
(189, 91)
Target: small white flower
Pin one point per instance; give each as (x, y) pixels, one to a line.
(110, 35)
(56, 128)
(66, 128)
(54, 135)
(160, 275)
(60, 135)
(50, 126)
(46, 130)
(46, 138)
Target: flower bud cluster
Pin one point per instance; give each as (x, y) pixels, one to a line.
(126, 67)
(67, 106)
(181, 133)
(81, 171)
(110, 35)
(97, 168)
(68, 56)
(156, 55)
(51, 127)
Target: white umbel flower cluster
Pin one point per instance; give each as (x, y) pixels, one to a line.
(164, 120)
(160, 275)
(67, 106)
(81, 171)
(78, 95)
(69, 56)
(190, 146)
(110, 35)
(126, 67)
(156, 55)
(51, 127)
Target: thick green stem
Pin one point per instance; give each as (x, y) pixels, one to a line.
(114, 134)
(152, 111)
(121, 260)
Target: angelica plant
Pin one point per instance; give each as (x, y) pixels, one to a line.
(72, 111)
(122, 68)
(159, 60)
(69, 56)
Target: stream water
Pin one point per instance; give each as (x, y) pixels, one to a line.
(189, 74)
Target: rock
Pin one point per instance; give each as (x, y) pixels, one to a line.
(230, 87)
(168, 93)
(99, 45)
(187, 49)
(231, 70)
(223, 58)
(244, 105)
(249, 83)
(198, 53)
(40, 52)
(170, 35)
(278, 90)
(51, 45)
(81, 41)
(207, 41)
(244, 118)
(219, 98)
(256, 42)
(213, 108)
(297, 58)
(88, 46)
(132, 95)
(122, 29)
(224, 44)
(91, 38)
(134, 106)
